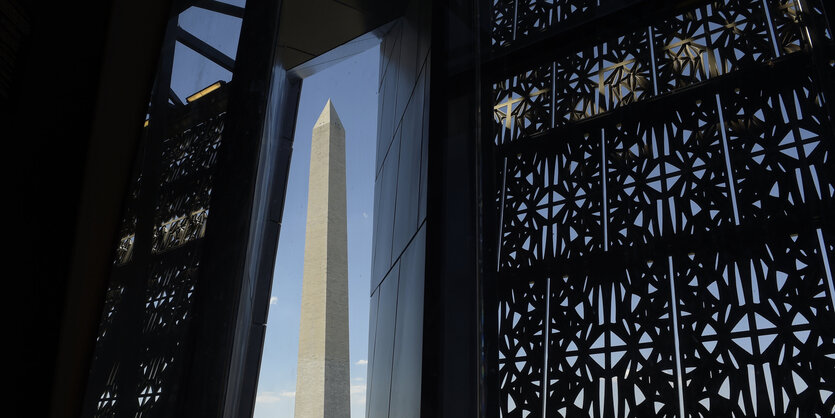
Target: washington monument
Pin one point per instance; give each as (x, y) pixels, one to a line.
(323, 384)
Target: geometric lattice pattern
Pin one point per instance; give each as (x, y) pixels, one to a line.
(709, 41)
(696, 161)
(183, 206)
(552, 204)
(152, 382)
(523, 105)
(787, 15)
(150, 298)
(517, 19)
(666, 175)
(690, 48)
(180, 230)
(664, 241)
(106, 405)
(522, 354)
(146, 329)
(754, 335)
(168, 294)
(780, 142)
(691, 37)
(194, 150)
(610, 350)
(504, 22)
(127, 228)
(756, 327)
(112, 300)
(602, 77)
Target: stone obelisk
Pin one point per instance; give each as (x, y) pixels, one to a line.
(323, 383)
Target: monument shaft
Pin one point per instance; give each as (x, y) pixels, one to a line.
(323, 381)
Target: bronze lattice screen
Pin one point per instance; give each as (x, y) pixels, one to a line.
(663, 184)
(143, 340)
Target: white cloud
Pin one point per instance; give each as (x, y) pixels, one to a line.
(365, 215)
(273, 300)
(358, 389)
(361, 362)
(273, 397)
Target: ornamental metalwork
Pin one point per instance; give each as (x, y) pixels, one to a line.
(662, 198)
(144, 331)
(150, 298)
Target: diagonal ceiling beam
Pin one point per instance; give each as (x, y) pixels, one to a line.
(174, 98)
(205, 49)
(219, 7)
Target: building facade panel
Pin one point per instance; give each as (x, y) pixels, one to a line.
(379, 377)
(406, 378)
(397, 278)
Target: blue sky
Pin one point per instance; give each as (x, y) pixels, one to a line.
(192, 71)
(352, 87)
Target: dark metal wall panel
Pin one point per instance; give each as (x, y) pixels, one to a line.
(385, 195)
(264, 229)
(399, 215)
(424, 148)
(374, 306)
(388, 119)
(408, 176)
(65, 105)
(408, 342)
(662, 187)
(379, 377)
(453, 318)
(401, 121)
(16, 27)
(242, 229)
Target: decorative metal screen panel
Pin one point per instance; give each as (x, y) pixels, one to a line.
(663, 240)
(517, 19)
(144, 326)
(146, 332)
